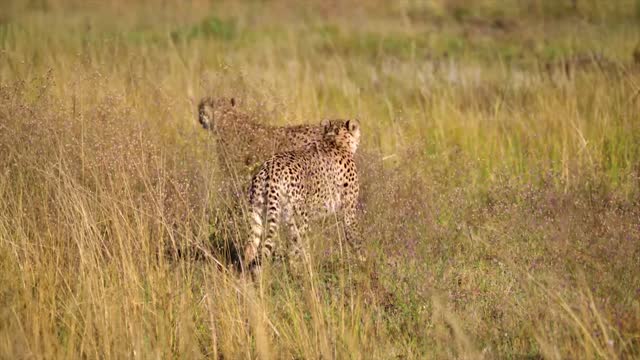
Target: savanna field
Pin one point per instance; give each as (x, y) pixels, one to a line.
(499, 166)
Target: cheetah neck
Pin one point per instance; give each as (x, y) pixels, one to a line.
(332, 147)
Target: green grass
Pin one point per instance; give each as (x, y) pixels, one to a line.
(500, 168)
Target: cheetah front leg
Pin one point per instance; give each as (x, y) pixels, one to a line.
(353, 231)
(297, 221)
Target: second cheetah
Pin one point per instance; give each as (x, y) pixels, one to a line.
(300, 185)
(244, 141)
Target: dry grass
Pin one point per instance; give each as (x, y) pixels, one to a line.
(500, 166)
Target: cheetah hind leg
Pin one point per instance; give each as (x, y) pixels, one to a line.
(251, 259)
(257, 250)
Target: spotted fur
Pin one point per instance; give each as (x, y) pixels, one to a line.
(300, 185)
(243, 141)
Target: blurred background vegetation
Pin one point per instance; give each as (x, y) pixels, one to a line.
(500, 169)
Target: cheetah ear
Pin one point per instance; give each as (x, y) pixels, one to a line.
(325, 124)
(233, 102)
(202, 102)
(352, 125)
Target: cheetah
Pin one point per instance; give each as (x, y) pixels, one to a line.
(300, 185)
(243, 142)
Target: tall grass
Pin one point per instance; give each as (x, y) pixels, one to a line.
(500, 174)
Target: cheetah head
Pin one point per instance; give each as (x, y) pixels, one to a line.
(344, 134)
(210, 108)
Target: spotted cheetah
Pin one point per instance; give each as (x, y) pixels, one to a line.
(300, 185)
(242, 141)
